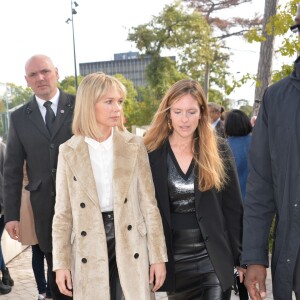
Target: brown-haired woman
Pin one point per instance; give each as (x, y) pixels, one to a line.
(198, 195)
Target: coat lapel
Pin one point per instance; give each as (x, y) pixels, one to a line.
(160, 177)
(198, 193)
(34, 114)
(65, 107)
(125, 155)
(83, 174)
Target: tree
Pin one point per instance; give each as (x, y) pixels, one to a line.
(136, 112)
(68, 84)
(266, 53)
(14, 97)
(279, 25)
(177, 29)
(247, 109)
(130, 106)
(222, 28)
(19, 95)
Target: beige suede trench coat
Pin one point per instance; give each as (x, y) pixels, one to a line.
(79, 241)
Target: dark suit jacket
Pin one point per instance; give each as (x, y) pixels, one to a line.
(219, 215)
(29, 139)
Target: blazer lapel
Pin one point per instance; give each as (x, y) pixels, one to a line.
(124, 155)
(160, 178)
(198, 193)
(84, 175)
(65, 107)
(34, 115)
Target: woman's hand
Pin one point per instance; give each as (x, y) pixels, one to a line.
(242, 273)
(157, 275)
(64, 281)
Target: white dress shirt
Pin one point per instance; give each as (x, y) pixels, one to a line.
(214, 124)
(54, 104)
(101, 155)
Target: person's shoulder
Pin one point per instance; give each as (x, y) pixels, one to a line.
(280, 84)
(67, 96)
(128, 136)
(71, 143)
(25, 108)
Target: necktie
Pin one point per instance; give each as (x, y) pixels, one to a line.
(50, 116)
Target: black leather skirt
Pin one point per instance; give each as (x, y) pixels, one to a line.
(114, 281)
(194, 273)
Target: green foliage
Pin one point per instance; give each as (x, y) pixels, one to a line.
(136, 112)
(131, 105)
(14, 97)
(247, 109)
(161, 74)
(148, 106)
(68, 84)
(271, 236)
(279, 25)
(185, 32)
(283, 72)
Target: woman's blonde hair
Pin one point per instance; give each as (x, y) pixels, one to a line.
(210, 165)
(92, 88)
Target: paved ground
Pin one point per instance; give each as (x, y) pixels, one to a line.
(25, 287)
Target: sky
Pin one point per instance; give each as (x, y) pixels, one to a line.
(101, 28)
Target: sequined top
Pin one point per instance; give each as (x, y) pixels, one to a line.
(180, 185)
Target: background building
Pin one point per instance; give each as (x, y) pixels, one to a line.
(131, 65)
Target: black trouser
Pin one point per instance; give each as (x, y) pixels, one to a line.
(114, 281)
(56, 294)
(38, 268)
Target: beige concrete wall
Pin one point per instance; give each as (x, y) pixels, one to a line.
(10, 247)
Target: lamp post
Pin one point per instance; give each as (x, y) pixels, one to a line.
(73, 12)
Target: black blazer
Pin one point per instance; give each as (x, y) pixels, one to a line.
(29, 139)
(219, 215)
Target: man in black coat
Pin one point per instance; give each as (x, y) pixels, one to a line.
(35, 133)
(215, 112)
(273, 189)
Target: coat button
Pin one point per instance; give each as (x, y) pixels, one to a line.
(125, 201)
(84, 260)
(74, 178)
(83, 233)
(52, 146)
(129, 227)
(82, 205)
(136, 255)
(53, 170)
(206, 239)
(53, 194)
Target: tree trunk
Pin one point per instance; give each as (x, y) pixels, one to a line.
(206, 80)
(265, 56)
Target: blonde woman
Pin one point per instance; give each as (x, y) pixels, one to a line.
(198, 195)
(108, 240)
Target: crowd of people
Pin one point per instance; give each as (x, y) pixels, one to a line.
(117, 216)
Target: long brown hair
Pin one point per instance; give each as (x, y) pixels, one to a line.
(211, 168)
